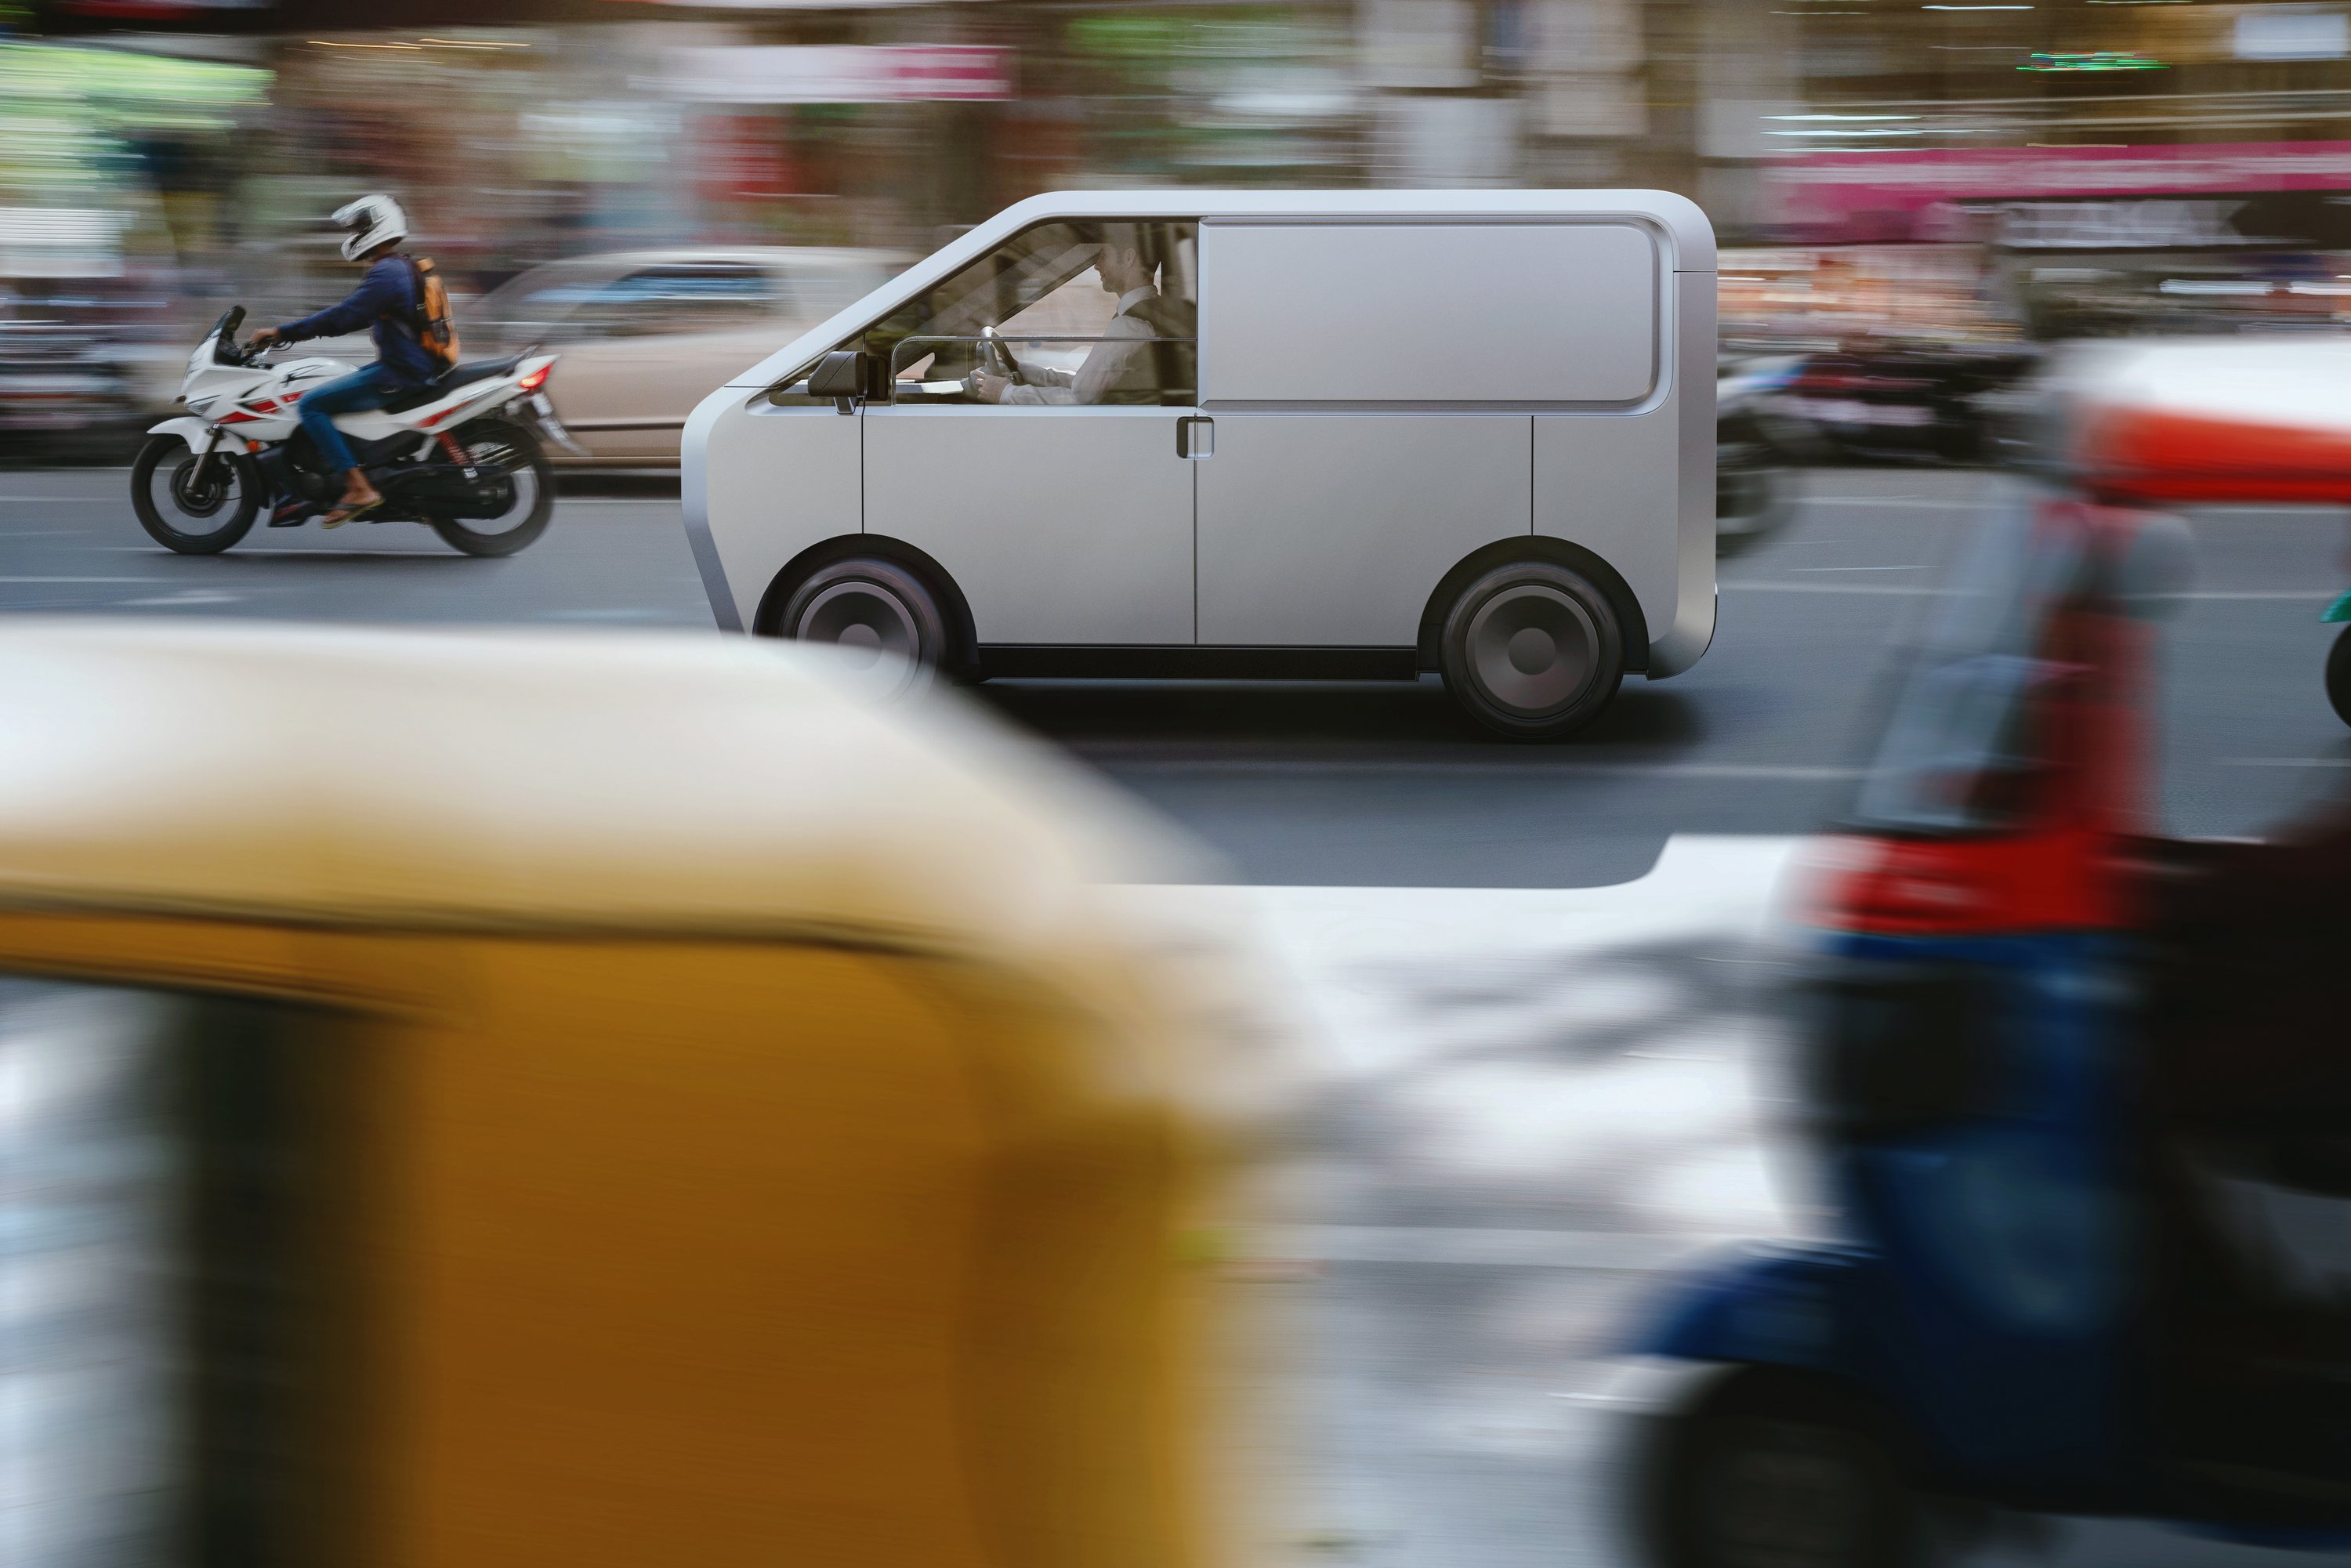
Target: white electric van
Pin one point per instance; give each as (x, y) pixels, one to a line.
(1247, 434)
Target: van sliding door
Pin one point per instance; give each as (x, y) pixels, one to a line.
(1373, 387)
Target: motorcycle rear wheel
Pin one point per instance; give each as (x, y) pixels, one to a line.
(514, 449)
(162, 478)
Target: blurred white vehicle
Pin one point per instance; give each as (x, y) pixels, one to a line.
(646, 335)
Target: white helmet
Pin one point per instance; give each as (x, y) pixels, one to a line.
(368, 222)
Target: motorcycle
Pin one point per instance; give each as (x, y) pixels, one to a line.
(460, 454)
(1907, 402)
(1754, 446)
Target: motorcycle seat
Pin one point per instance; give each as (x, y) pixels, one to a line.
(449, 380)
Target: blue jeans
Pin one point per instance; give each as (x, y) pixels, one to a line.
(363, 388)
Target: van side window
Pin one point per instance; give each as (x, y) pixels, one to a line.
(1069, 313)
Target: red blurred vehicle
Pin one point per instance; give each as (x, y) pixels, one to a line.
(2200, 422)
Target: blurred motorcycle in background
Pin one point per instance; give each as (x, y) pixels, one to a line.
(1755, 444)
(1894, 402)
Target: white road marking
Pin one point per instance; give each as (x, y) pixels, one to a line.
(1887, 588)
(142, 581)
(1905, 501)
(1857, 568)
(1766, 585)
(188, 596)
(2284, 762)
(1767, 771)
(2312, 595)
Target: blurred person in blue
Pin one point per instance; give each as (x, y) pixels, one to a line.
(391, 297)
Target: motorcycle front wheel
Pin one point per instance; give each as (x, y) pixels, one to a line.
(192, 512)
(514, 453)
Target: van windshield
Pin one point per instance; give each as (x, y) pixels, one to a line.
(1960, 744)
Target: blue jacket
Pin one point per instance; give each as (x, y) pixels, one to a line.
(386, 297)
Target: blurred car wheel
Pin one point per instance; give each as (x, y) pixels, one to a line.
(1531, 651)
(878, 612)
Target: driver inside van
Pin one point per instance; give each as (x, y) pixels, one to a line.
(1121, 367)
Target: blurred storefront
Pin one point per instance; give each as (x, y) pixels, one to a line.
(2022, 134)
(525, 128)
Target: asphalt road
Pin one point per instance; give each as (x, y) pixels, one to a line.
(1372, 784)
(1529, 1105)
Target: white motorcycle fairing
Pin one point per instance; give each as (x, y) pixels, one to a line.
(261, 403)
(188, 428)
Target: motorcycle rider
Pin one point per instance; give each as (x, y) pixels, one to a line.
(389, 297)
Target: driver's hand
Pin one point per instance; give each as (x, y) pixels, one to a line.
(263, 337)
(987, 386)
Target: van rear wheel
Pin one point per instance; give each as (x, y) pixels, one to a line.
(883, 617)
(1531, 651)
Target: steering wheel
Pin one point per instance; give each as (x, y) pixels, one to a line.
(996, 358)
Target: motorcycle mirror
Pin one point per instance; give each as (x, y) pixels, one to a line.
(2154, 568)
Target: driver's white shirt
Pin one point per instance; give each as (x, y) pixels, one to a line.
(1118, 363)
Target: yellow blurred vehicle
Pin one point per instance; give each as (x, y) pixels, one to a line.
(575, 1101)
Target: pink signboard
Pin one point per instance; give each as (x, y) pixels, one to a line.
(1918, 195)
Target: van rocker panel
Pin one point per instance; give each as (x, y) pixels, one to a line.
(1013, 661)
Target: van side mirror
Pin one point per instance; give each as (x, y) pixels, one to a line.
(841, 376)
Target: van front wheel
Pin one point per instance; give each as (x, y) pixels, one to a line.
(882, 617)
(1531, 651)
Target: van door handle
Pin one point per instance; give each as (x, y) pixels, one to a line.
(1195, 436)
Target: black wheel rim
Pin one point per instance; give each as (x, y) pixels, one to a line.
(1532, 649)
(195, 507)
(504, 471)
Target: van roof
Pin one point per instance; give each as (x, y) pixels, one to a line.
(649, 782)
(1688, 236)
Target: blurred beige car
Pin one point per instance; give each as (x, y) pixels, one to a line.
(645, 335)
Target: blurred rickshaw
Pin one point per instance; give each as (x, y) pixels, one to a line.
(2086, 1253)
(472, 1099)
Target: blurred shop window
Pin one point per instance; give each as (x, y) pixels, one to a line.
(1038, 310)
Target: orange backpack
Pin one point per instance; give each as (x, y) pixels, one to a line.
(435, 331)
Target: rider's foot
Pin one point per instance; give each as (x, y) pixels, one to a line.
(359, 497)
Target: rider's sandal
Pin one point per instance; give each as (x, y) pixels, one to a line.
(341, 515)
